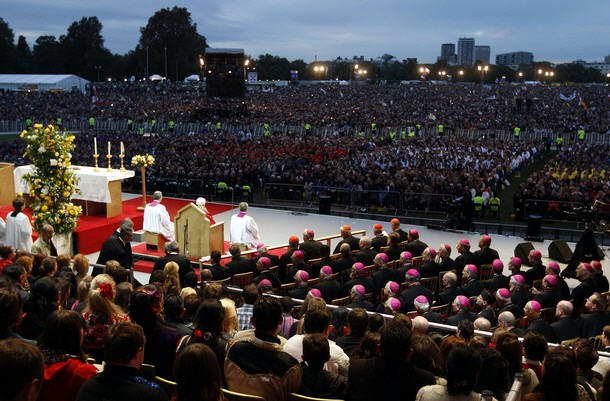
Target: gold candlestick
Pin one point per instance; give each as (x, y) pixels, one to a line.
(95, 157)
(109, 157)
(122, 156)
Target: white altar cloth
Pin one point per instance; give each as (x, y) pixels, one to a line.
(92, 184)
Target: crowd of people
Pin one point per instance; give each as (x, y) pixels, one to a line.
(500, 106)
(204, 337)
(576, 177)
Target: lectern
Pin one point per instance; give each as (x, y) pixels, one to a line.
(194, 233)
(7, 184)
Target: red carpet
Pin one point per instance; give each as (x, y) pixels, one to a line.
(93, 230)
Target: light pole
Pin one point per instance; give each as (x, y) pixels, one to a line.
(482, 69)
(165, 49)
(520, 74)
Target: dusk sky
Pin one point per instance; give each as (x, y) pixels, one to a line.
(556, 31)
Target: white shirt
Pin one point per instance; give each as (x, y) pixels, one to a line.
(338, 362)
(244, 230)
(156, 220)
(2, 231)
(19, 232)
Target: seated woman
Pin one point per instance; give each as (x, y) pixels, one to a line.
(316, 381)
(100, 313)
(197, 374)
(65, 367)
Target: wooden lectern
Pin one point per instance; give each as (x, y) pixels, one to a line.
(7, 184)
(194, 234)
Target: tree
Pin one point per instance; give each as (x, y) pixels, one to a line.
(7, 48)
(46, 52)
(172, 31)
(24, 55)
(82, 48)
(274, 67)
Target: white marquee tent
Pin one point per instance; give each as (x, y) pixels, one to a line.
(42, 82)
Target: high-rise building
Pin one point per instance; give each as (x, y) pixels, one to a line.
(515, 58)
(482, 53)
(447, 49)
(607, 59)
(466, 52)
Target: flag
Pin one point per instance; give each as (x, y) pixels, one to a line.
(583, 103)
(568, 98)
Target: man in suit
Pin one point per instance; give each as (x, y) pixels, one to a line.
(329, 287)
(302, 288)
(506, 321)
(358, 276)
(461, 311)
(485, 255)
(376, 378)
(549, 296)
(219, 272)
(171, 255)
(536, 324)
(472, 287)
(117, 247)
(565, 327)
(498, 280)
(564, 290)
(414, 245)
(384, 274)
(537, 271)
(44, 243)
(413, 290)
(465, 257)
(380, 239)
(366, 254)
(310, 246)
(596, 318)
(450, 289)
(348, 238)
(239, 264)
(443, 258)
(395, 225)
(429, 268)
(394, 248)
(584, 273)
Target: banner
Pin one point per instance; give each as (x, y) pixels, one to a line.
(568, 98)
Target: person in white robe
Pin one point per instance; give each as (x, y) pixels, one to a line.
(244, 230)
(156, 218)
(18, 227)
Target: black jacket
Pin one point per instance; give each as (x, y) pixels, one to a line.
(378, 241)
(447, 295)
(593, 323)
(366, 256)
(539, 326)
(416, 247)
(565, 328)
(496, 282)
(311, 249)
(113, 248)
(184, 265)
(239, 265)
(472, 288)
(353, 242)
(385, 379)
(119, 383)
(453, 320)
(409, 294)
(485, 256)
(330, 289)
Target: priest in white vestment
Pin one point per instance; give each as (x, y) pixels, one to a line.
(244, 230)
(156, 218)
(18, 227)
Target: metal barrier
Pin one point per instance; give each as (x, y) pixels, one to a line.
(552, 210)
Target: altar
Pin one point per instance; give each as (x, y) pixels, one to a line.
(100, 191)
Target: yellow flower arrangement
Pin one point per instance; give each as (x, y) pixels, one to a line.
(52, 183)
(142, 161)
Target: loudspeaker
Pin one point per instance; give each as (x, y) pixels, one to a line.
(324, 204)
(534, 228)
(522, 250)
(560, 251)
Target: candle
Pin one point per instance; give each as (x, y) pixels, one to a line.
(109, 147)
(122, 149)
(95, 145)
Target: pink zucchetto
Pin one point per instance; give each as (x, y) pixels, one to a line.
(310, 233)
(393, 304)
(392, 287)
(551, 280)
(463, 301)
(472, 269)
(260, 245)
(497, 265)
(413, 273)
(432, 252)
(302, 275)
(358, 289)
(359, 267)
(516, 261)
(503, 294)
(554, 266)
(298, 254)
(536, 254)
(327, 270)
(588, 267)
(596, 265)
(414, 233)
(265, 283)
(534, 305)
(519, 279)
(265, 262)
(406, 255)
(464, 242)
(421, 302)
(314, 292)
(383, 257)
(448, 248)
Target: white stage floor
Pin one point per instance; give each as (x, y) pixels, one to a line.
(276, 226)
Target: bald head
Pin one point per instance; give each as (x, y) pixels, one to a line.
(482, 324)
(420, 325)
(506, 319)
(564, 309)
